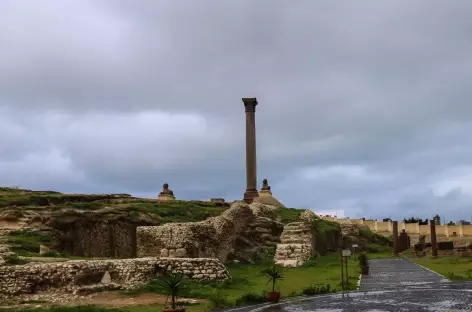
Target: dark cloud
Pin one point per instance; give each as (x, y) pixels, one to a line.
(364, 107)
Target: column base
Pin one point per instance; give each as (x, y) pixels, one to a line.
(249, 195)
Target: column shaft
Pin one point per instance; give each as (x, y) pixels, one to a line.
(434, 245)
(251, 163)
(395, 238)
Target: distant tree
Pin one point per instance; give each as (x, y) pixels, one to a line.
(451, 223)
(416, 220)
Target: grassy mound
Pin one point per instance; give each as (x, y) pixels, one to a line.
(49, 215)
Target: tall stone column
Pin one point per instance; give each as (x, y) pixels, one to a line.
(251, 166)
(395, 238)
(434, 245)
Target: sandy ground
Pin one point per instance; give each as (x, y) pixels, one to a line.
(104, 299)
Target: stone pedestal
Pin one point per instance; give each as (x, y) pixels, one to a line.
(165, 197)
(265, 193)
(265, 196)
(251, 166)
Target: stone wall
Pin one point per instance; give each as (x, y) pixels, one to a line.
(5, 252)
(385, 228)
(297, 242)
(214, 237)
(114, 238)
(125, 273)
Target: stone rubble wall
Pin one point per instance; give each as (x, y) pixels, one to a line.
(214, 237)
(124, 274)
(4, 253)
(297, 244)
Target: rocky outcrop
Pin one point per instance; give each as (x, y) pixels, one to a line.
(297, 243)
(238, 233)
(88, 276)
(308, 216)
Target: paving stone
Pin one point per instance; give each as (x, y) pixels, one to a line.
(393, 285)
(398, 273)
(420, 300)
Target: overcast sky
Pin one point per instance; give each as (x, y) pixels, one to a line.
(364, 106)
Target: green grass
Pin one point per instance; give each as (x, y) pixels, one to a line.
(24, 242)
(287, 215)
(172, 211)
(454, 267)
(181, 211)
(247, 278)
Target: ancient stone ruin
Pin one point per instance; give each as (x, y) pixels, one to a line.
(297, 242)
(242, 225)
(80, 276)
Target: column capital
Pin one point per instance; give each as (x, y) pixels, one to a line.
(250, 104)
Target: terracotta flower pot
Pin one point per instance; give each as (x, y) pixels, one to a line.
(365, 270)
(273, 296)
(174, 310)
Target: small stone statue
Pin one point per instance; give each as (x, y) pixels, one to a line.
(166, 193)
(265, 185)
(167, 190)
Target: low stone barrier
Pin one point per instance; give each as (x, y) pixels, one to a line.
(126, 273)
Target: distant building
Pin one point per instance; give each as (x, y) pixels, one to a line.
(387, 220)
(463, 222)
(437, 220)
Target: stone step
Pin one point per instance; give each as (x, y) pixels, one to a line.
(294, 224)
(296, 230)
(294, 240)
(282, 248)
(292, 254)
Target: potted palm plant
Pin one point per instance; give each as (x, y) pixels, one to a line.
(364, 264)
(274, 273)
(173, 283)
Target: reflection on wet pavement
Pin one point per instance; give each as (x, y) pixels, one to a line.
(393, 285)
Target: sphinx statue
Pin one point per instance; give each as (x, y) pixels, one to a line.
(265, 196)
(265, 185)
(166, 193)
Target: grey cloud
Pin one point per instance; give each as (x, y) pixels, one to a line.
(135, 94)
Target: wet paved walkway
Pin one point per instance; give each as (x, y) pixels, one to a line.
(398, 273)
(392, 286)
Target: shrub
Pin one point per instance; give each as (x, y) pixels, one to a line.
(173, 283)
(315, 290)
(219, 300)
(14, 259)
(52, 254)
(274, 273)
(310, 263)
(363, 260)
(251, 298)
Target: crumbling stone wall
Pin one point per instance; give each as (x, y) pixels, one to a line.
(214, 237)
(297, 241)
(126, 273)
(114, 238)
(5, 252)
